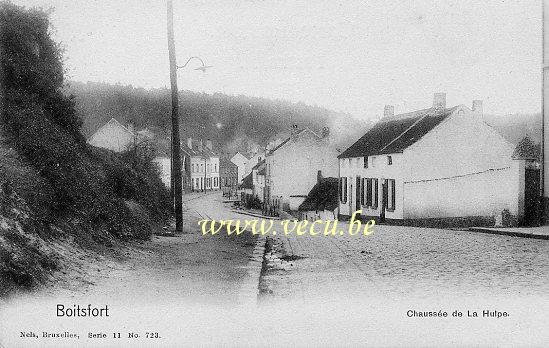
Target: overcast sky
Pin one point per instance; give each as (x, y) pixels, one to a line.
(352, 56)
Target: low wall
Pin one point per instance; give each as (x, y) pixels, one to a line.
(485, 193)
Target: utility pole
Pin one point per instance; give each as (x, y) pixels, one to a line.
(544, 172)
(176, 147)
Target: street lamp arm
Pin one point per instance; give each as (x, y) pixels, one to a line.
(188, 60)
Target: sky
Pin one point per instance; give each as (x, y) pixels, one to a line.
(350, 56)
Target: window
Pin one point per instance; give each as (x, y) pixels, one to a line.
(343, 189)
(365, 161)
(391, 194)
(373, 161)
(389, 160)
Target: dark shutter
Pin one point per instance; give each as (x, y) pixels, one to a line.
(375, 194)
(369, 193)
(393, 195)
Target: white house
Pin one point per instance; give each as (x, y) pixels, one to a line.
(241, 162)
(429, 164)
(293, 166)
(113, 136)
(204, 165)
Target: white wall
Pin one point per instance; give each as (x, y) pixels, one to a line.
(241, 163)
(292, 169)
(214, 161)
(379, 168)
(462, 145)
(112, 137)
(485, 194)
(164, 164)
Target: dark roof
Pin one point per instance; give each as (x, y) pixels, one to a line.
(226, 163)
(259, 164)
(527, 149)
(284, 142)
(196, 152)
(396, 133)
(247, 182)
(323, 196)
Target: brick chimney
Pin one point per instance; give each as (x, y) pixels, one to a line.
(388, 111)
(439, 101)
(190, 143)
(477, 106)
(319, 176)
(209, 144)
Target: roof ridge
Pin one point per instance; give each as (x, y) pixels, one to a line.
(401, 134)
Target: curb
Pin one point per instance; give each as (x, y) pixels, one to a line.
(255, 215)
(509, 233)
(249, 290)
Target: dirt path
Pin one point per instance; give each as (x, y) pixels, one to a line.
(188, 266)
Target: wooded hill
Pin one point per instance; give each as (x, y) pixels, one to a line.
(231, 122)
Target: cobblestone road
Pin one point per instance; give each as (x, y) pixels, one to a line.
(397, 261)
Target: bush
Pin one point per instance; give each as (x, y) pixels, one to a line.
(89, 187)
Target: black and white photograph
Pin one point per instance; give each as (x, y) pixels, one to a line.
(274, 173)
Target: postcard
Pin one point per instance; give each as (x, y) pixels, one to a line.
(256, 173)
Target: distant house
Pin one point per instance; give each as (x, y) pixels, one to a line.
(322, 201)
(434, 163)
(113, 136)
(292, 167)
(241, 162)
(228, 175)
(204, 165)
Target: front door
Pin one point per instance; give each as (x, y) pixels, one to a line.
(531, 197)
(357, 199)
(384, 196)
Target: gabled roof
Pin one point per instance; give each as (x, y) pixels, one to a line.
(247, 182)
(288, 139)
(195, 152)
(323, 196)
(259, 164)
(239, 153)
(223, 161)
(113, 122)
(395, 134)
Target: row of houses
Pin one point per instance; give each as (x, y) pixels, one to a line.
(436, 164)
(202, 167)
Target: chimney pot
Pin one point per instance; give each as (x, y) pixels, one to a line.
(388, 111)
(295, 130)
(319, 176)
(325, 132)
(477, 106)
(439, 101)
